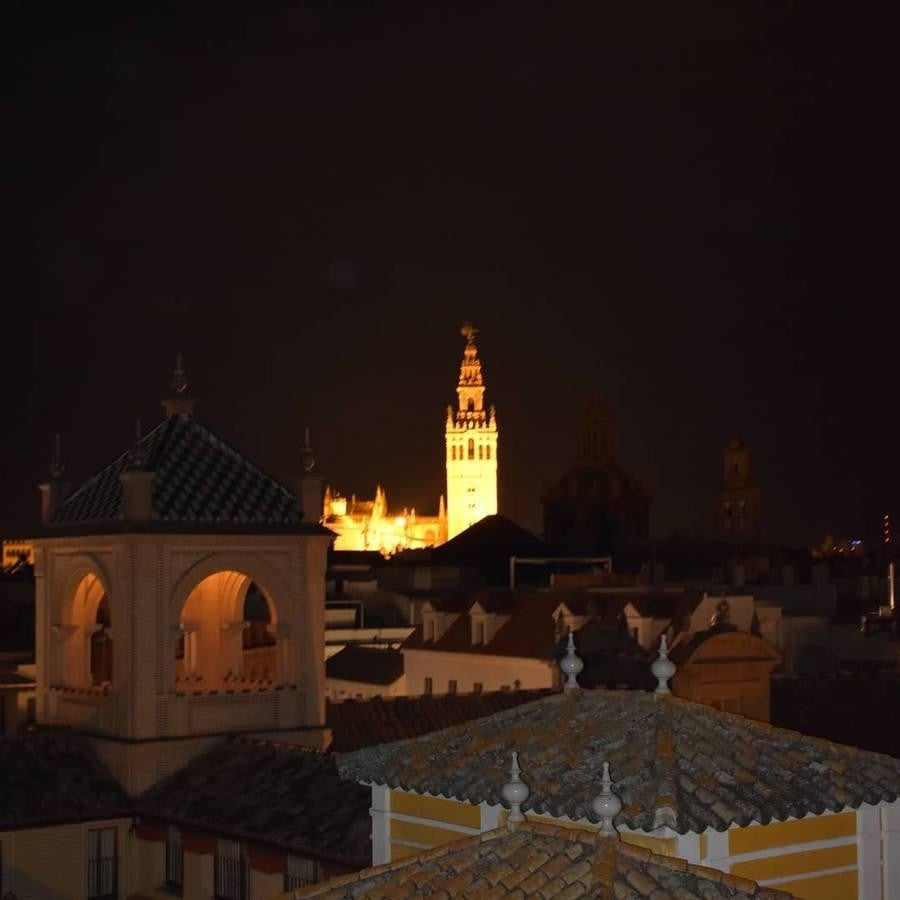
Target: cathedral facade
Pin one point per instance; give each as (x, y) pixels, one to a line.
(471, 439)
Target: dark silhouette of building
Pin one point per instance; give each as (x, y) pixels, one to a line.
(596, 507)
(739, 495)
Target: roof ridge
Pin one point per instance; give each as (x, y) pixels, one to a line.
(665, 802)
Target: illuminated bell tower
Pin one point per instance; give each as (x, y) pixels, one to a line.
(471, 446)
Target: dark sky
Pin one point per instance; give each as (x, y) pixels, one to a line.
(692, 207)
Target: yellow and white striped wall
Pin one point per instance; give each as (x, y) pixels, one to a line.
(850, 855)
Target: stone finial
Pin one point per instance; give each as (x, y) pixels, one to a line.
(515, 792)
(137, 459)
(663, 668)
(721, 618)
(56, 466)
(179, 377)
(180, 403)
(571, 664)
(309, 459)
(606, 805)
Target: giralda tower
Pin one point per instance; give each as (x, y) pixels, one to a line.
(471, 446)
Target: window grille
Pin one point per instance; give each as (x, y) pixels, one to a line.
(174, 860)
(102, 864)
(231, 871)
(300, 872)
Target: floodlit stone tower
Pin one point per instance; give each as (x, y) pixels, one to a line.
(472, 435)
(180, 597)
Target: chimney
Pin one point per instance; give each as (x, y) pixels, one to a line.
(137, 495)
(137, 483)
(53, 493)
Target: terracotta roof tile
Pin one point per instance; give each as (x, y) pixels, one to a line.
(536, 862)
(674, 762)
(365, 723)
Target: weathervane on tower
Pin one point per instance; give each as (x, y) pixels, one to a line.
(468, 331)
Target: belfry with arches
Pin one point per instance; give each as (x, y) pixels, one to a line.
(180, 598)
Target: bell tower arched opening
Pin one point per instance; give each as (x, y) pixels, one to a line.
(85, 658)
(228, 636)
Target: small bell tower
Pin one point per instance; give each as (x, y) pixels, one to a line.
(471, 446)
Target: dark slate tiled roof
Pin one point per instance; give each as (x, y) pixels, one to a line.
(198, 480)
(369, 665)
(276, 794)
(535, 862)
(48, 778)
(673, 763)
(364, 723)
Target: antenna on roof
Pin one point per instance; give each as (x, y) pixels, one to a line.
(57, 466)
(571, 664)
(607, 805)
(515, 792)
(663, 668)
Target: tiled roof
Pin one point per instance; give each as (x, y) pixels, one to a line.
(491, 537)
(198, 481)
(540, 861)
(364, 723)
(529, 632)
(51, 777)
(277, 794)
(673, 763)
(369, 665)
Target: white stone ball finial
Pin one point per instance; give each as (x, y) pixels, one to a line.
(606, 805)
(663, 668)
(571, 664)
(515, 792)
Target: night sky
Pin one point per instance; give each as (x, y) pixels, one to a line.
(690, 207)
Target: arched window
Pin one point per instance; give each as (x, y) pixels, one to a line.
(86, 652)
(471, 448)
(487, 452)
(470, 404)
(453, 452)
(229, 640)
(481, 451)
